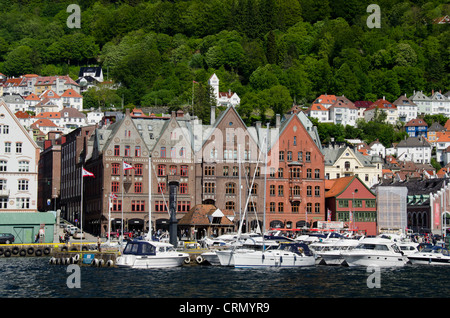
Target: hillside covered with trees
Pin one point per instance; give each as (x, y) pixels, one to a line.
(271, 52)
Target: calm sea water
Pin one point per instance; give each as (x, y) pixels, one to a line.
(35, 278)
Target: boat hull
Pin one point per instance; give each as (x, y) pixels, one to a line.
(272, 259)
(427, 260)
(166, 261)
(211, 258)
(332, 258)
(381, 260)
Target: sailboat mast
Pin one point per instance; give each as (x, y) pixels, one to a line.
(265, 184)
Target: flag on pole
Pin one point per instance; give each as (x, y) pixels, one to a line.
(113, 196)
(127, 166)
(195, 82)
(87, 173)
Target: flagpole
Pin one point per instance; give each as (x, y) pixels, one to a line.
(121, 223)
(81, 210)
(109, 220)
(149, 235)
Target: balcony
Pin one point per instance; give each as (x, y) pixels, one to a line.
(4, 192)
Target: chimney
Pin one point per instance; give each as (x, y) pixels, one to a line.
(277, 121)
(213, 114)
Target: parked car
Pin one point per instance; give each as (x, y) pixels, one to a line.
(6, 238)
(79, 235)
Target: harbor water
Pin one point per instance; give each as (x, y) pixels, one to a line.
(33, 277)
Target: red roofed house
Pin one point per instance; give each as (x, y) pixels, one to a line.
(319, 108)
(71, 98)
(350, 201)
(44, 125)
(382, 105)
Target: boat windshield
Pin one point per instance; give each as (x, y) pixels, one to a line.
(377, 247)
(436, 250)
(139, 248)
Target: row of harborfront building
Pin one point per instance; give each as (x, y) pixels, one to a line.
(301, 185)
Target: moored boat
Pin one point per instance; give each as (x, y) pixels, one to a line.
(150, 254)
(435, 255)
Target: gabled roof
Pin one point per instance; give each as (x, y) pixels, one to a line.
(414, 142)
(48, 115)
(382, 104)
(44, 122)
(404, 101)
(416, 122)
(49, 94)
(32, 96)
(200, 215)
(71, 93)
(341, 184)
(343, 102)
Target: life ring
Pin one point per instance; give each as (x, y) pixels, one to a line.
(187, 260)
(38, 252)
(7, 253)
(199, 259)
(47, 250)
(30, 251)
(23, 252)
(15, 250)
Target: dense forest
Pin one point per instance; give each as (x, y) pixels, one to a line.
(273, 53)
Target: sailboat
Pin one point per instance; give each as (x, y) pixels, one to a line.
(147, 253)
(284, 255)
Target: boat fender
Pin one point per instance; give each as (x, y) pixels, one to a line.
(94, 262)
(100, 262)
(1, 251)
(109, 263)
(199, 259)
(76, 257)
(38, 252)
(30, 251)
(51, 261)
(7, 253)
(46, 251)
(187, 260)
(263, 257)
(72, 260)
(67, 261)
(23, 252)
(295, 258)
(15, 250)
(281, 259)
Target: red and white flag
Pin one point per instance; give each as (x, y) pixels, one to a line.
(127, 166)
(113, 196)
(87, 173)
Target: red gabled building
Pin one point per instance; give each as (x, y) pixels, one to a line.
(295, 181)
(350, 201)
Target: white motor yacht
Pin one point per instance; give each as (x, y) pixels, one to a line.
(285, 255)
(375, 252)
(150, 254)
(331, 255)
(435, 255)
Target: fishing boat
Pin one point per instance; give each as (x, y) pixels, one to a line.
(150, 254)
(375, 252)
(435, 255)
(285, 255)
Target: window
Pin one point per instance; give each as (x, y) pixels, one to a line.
(272, 190)
(183, 206)
(309, 191)
(295, 207)
(5, 129)
(272, 207)
(272, 172)
(173, 152)
(209, 171)
(182, 152)
(230, 188)
(317, 191)
(115, 168)
(225, 171)
(370, 203)
(7, 147)
(23, 203)
(3, 165)
(210, 187)
(18, 147)
(115, 186)
(309, 208)
(161, 187)
(24, 166)
(296, 191)
(254, 190)
(300, 156)
(22, 185)
(280, 190)
(161, 170)
(358, 203)
(173, 170)
(137, 205)
(280, 172)
(116, 205)
(2, 184)
(183, 188)
(289, 156)
(295, 173)
(235, 171)
(295, 140)
(258, 172)
(230, 205)
(160, 206)
(138, 187)
(137, 151)
(317, 173)
(184, 171)
(127, 151)
(163, 152)
(317, 208)
(343, 203)
(3, 203)
(281, 156)
(116, 150)
(308, 173)
(138, 169)
(308, 156)
(280, 207)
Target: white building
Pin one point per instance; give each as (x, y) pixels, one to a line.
(415, 149)
(223, 98)
(407, 110)
(440, 104)
(343, 112)
(19, 156)
(422, 101)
